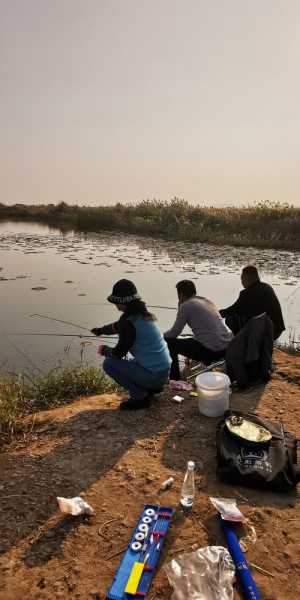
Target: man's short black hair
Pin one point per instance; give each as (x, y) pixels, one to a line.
(186, 287)
(251, 272)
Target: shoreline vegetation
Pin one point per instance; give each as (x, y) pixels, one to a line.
(22, 395)
(263, 225)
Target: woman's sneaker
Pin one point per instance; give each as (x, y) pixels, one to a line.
(136, 403)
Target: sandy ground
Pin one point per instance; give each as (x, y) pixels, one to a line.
(117, 462)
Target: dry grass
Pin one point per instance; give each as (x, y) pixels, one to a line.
(50, 389)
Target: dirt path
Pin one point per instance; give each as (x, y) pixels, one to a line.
(117, 461)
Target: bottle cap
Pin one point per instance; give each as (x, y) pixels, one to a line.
(191, 464)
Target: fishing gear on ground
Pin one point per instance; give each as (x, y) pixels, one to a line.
(136, 570)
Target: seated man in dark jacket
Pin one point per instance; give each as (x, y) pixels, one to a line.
(256, 298)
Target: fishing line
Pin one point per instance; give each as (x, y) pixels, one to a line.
(17, 349)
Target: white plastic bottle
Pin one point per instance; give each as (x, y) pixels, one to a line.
(188, 486)
(167, 484)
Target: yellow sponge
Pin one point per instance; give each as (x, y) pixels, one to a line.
(134, 578)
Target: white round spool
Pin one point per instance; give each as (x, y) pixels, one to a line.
(136, 546)
(150, 512)
(143, 528)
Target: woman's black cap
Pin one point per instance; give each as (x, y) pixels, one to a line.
(123, 292)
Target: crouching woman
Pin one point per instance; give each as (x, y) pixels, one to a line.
(148, 371)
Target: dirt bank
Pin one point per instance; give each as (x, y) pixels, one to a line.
(117, 461)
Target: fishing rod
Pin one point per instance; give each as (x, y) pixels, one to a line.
(148, 305)
(79, 335)
(66, 323)
(60, 321)
(164, 307)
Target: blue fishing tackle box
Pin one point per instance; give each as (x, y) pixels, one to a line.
(149, 552)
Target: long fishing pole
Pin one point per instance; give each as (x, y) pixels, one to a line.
(60, 321)
(164, 307)
(66, 323)
(149, 305)
(79, 335)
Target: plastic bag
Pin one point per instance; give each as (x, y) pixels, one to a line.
(228, 509)
(180, 385)
(74, 506)
(206, 574)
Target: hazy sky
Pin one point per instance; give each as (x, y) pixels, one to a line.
(118, 100)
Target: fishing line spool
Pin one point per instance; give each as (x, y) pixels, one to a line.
(147, 520)
(143, 528)
(136, 546)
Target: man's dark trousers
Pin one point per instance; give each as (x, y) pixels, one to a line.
(190, 348)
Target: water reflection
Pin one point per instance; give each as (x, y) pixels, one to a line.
(67, 274)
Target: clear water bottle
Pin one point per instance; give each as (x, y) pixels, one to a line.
(188, 486)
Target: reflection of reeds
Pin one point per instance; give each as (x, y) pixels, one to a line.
(265, 224)
(19, 397)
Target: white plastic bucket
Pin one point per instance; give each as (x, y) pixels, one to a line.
(213, 393)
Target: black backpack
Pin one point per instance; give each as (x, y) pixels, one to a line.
(270, 464)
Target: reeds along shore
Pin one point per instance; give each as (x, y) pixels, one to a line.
(21, 395)
(265, 225)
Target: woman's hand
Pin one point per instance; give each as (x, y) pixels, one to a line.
(104, 350)
(96, 330)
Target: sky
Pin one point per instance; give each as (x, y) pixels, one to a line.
(105, 101)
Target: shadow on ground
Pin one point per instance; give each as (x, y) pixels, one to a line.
(89, 444)
(78, 451)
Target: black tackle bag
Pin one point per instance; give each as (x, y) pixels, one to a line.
(271, 464)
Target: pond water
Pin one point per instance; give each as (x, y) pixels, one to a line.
(68, 275)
